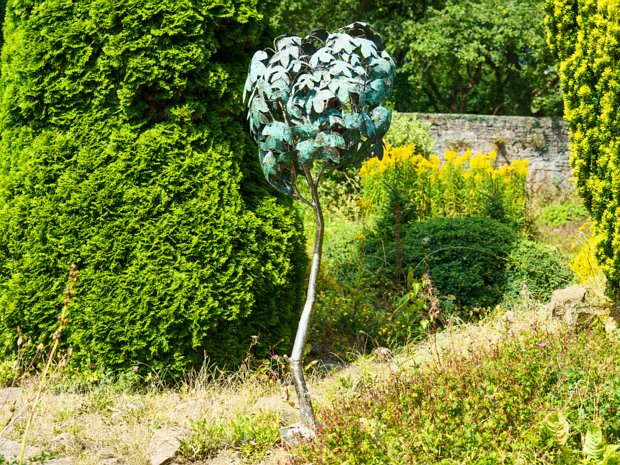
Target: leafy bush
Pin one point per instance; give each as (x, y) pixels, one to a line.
(585, 37)
(407, 129)
(124, 152)
(477, 260)
(466, 257)
(464, 184)
(485, 407)
(540, 267)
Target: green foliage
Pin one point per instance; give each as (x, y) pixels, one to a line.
(585, 37)
(477, 260)
(466, 257)
(476, 56)
(540, 267)
(407, 129)
(595, 450)
(562, 214)
(124, 152)
(484, 407)
(557, 425)
(252, 436)
(485, 57)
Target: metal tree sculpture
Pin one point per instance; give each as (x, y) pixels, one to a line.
(317, 99)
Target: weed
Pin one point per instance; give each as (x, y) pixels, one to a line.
(481, 408)
(251, 436)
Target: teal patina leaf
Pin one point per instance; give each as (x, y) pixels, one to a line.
(319, 98)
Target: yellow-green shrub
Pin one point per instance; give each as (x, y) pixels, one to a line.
(585, 37)
(464, 184)
(584, 264)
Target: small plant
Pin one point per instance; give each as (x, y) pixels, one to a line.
(408, 129)
(562, 214)
(595, 450)
(251, 436)
(63, 321)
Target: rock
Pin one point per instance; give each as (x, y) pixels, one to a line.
(296, 433)
(611, 325)
(11, 450)
(63, 440)
(164, 445)
(225, 457)
(62, 461)
(566, 304)
(382, 354)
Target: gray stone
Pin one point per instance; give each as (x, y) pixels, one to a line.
(164, 445)
(11, 450)
(63, 440)
(296, 433)
(568, 303)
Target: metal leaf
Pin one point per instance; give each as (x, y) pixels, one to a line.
(305, 81)
(287, 41)
(367, 47)
(330, 140)
(278, 130)
(341, 68)
(303, 131)
(320, 101)
(306, 151)
(268, 162)
(369, 126)
(339, 42)
(382, 117)
(285, 56)
(296, 66)
(379, 67)
(354, 121)
(321, 56)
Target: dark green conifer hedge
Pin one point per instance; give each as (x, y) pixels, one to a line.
(123, 150)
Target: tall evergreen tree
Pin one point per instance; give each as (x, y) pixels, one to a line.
(585, 37)
(123, 150)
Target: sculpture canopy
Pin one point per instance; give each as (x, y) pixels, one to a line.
(319, 98)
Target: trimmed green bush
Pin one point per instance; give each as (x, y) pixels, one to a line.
(585, 37)
(124, 151)
(466, 256)
(541, 268)
(477, 260)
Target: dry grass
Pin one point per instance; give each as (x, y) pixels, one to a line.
(106, 426)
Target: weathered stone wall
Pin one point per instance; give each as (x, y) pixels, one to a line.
(544, 141)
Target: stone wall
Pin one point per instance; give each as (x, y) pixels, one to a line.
(544, 141)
